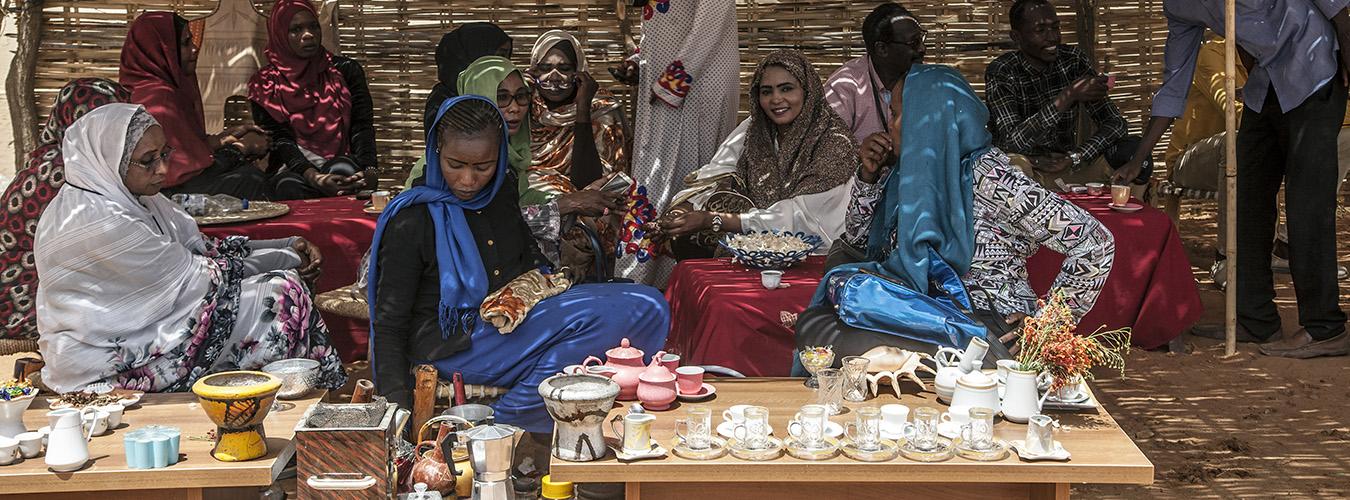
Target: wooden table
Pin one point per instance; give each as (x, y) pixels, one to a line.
(1102, 453)
(196, 475)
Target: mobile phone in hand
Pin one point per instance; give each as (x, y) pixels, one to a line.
(620, 183)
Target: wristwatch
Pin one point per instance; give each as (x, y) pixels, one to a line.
(717, 223)
(1076, 158)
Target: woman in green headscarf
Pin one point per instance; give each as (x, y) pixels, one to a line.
(496, 78)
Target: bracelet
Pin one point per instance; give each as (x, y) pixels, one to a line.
(717, 223)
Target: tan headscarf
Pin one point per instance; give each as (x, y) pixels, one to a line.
(815, 153)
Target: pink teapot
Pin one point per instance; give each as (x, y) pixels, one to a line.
(626, 361)
(656, 385)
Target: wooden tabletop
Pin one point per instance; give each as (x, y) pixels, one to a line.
(195, 468)
(1101, 452)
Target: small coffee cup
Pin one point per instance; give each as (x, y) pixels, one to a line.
(30, 444)
(1096, 188)
(9, 450)
(735, 414)
(958, 414)
(771, 279)
(894, 416)
(1120, 195)
(114, 414)
(95, 422)
(689, 379)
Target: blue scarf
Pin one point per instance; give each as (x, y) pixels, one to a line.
(464, 282)
(943, 134)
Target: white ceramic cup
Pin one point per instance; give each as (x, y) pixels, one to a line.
(894, 416)
(9, 450)
(114, 414)
(30, 444)
(771, 279)
(735, 414)
(45, 431)
(1096, 188)
(958, 414)
(95, 421)
(1003, 366)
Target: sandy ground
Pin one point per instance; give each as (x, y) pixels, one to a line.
(1249, 426)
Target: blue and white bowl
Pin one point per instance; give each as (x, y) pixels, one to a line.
(771, 249)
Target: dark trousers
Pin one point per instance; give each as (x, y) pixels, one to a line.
(1298, 149)
(244, 182)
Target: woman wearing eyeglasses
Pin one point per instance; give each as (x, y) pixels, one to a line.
(496, 78)
(135, 296)
(159, 67)
(317, 108)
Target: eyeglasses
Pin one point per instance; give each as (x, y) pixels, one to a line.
(915, 43)
(150, 165)
(522, 98)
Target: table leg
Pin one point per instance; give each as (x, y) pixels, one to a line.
(1050, 491)
(632, 491)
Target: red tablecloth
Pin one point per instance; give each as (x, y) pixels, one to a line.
(722, 315)
(342, 232)
(1151, 287)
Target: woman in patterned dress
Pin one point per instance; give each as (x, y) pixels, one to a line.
(964, 203)
(33, 188)
(688, 94)
(134, 295)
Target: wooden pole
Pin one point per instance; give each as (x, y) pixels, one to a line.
(19, 84)
(1230, 176)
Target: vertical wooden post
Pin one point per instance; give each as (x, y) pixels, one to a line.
(19, 83)
(1230, 175)
(424, 395)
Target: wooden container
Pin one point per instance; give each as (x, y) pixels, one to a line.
(348, 462)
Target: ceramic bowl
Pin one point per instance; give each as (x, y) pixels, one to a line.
(238, 402)
(298, 376)
(771, 249)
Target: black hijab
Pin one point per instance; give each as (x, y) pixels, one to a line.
(457, 50)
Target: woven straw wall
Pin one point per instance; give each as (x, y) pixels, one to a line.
(395, 40)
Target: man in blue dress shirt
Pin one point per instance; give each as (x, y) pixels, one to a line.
(1295, 99)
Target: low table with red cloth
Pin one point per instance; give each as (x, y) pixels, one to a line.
(724, 316)
(342, 231)
(1151, 287)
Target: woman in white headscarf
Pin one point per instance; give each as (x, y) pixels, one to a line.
(134, 295)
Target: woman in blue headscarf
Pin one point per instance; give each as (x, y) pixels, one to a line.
(459, 238)
(954, 197)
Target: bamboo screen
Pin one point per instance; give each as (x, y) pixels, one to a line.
(395, 41)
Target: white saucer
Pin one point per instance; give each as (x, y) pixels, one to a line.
(950, 430)
(704, 392)
(656, 451)
(1128, 208)
(891, 432)
(1059, 454)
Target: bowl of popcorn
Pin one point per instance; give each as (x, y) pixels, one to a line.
(771, 249)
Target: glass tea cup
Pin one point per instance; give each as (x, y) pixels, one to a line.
(922, 432)
(855, 378)
(978, 434)
(808, 426)
(831, 391)
(697, 427)
(865, 432)
(753, 431)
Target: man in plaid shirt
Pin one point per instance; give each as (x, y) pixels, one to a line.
(1033, 93)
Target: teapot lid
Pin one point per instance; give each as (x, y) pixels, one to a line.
(624, 351)
(490, 431)
(977, 380)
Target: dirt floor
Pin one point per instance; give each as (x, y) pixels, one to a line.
(1250, 426)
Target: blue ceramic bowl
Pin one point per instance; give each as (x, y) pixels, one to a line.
(766, 259)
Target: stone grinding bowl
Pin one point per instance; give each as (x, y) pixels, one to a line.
(298, 376)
